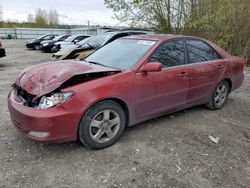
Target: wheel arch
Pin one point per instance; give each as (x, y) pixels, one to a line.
(229, 81)
(119, 101)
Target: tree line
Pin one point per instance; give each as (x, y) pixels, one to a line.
(43, 18)
(223, 21)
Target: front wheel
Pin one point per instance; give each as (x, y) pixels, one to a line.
(36, 47)
(102, 125)
(219, 97)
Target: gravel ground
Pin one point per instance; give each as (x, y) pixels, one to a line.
(171, 151)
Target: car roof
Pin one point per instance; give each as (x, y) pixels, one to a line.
(128, 31)
(158, 37)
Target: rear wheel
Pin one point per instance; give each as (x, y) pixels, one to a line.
(102, 125)
(219, 96)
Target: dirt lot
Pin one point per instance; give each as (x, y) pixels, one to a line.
(171, 151)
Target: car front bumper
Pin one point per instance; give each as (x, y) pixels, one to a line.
(45, 48)
(30, 45)
(52, 125)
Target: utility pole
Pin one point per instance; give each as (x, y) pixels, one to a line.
(88, 27)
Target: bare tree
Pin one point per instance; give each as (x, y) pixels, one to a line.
(53, 18)
(41, 18)
(31, 18)
(1, 14)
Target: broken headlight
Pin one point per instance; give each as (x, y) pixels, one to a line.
(54, 100)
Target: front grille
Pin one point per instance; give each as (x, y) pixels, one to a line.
(25, 97)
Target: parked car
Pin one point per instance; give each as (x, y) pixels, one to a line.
(2, 50)
(74, 45)
(70, 40)
(128, 81)
(47, 45)
(95, 42)
(35, 43)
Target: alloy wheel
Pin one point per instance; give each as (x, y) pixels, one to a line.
(104, 126)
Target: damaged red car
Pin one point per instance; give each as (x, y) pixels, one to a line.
(128, 81)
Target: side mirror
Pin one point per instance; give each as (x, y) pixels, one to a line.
(76, 41)
(151, 67)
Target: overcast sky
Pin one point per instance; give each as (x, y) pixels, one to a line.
(70, 11)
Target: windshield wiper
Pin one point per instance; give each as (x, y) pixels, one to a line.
(96, 63)
(90, 45)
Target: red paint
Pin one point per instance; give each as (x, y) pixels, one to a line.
(146, 93)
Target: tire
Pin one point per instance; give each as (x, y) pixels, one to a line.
(219, 98)
(102, 125)
(36, 47)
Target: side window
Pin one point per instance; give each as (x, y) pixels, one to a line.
(170, 54)
(81, 38)
(63, 38)
(200, 51)
(77, 39)
(48, 37)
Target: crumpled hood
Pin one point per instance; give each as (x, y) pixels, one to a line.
(41, 79)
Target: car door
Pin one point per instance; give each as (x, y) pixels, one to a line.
(158, 92)
(204, 67)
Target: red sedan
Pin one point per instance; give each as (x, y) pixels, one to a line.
(128, 81)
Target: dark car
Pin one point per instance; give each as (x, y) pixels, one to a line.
(2, 50)
(47, 45)
(94, 43)
(70, 40)
(128, 81)
(35, 43)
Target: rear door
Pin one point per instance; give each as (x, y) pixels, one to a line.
(205, 68)
(158, 92)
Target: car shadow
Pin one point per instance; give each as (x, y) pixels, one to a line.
(3, 66)
(75, 145)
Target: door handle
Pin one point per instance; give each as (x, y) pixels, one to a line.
(220, 66)
(185, 74)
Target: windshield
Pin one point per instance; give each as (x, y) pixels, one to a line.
(58, 37)
(41, 36)
(121, 54)
(83, 41)
(98, 40)
(69, 39)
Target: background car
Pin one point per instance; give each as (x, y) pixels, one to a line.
(95, 42)
(128, 81)
(2, 50)
(47, 45)
(70, 40)
(35, 43)
(74, 45)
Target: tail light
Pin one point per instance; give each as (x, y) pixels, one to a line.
(1, 44)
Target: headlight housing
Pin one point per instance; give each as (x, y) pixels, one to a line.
(54, 99)
(45, 44)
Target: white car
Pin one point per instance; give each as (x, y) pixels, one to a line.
(69, 41)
